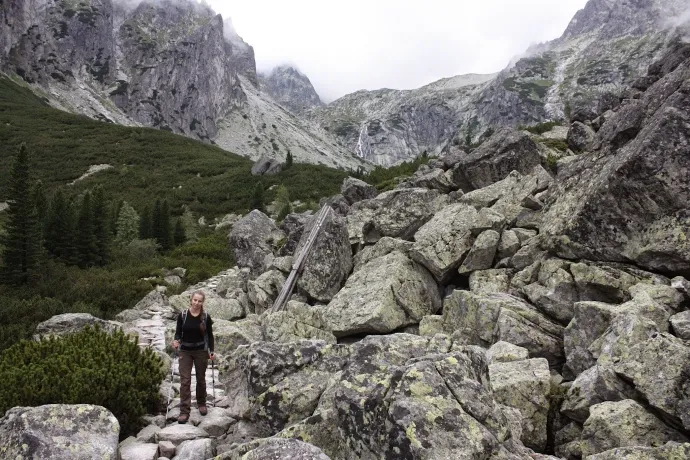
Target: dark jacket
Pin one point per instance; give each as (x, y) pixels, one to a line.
(188, 332)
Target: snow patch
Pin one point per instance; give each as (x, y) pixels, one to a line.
(92, 170)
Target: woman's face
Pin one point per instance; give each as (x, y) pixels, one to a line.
(197, 301)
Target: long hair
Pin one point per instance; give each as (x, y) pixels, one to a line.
(203, 323)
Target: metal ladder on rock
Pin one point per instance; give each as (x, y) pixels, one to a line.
(289, 285)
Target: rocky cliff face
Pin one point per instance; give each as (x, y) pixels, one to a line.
(170, 64)
(291, 89)
(607, 45)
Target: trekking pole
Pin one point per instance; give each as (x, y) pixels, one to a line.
(172, 371)
(213, 378)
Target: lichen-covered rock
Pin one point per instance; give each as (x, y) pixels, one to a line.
(139, 451)
(231, 334)
(396, 401)
(69, 323)
(384, 246)
(525, 385)
(297, 321)
(253, 240)
(621, 424)
(436, 179)
(385, 294)
(329, 261)
(659, 369)
(355, 190)
(681, 325)
(627, 201)
(264, 290)
(504, 352)
(482, 253)
(595, 385)
(509, 244)
(275, 384)
(59, 432)
(590, 321)
(398, 213)
(669, 451)
(442, 243)
(490, 281)
(580, 137)
(177, 434)
(507, 150)
(195, 449)
(484, 319)
(274, 449)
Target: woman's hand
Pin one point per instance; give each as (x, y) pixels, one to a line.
(212, 356)
(176, 344)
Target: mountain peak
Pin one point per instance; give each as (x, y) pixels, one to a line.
(291, 88)
(615, 18)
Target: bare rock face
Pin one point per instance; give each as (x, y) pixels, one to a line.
(628, 200)
(580, 137)
(59, 432)
(159, 90)
(282, 449)
(291, 89)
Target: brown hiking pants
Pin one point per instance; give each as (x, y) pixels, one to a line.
(199, 359)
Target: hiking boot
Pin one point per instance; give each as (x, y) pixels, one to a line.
(183, 418)
(203, 410)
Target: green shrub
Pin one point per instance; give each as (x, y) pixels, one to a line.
(558, 144)
(542, 128)
(89, 367)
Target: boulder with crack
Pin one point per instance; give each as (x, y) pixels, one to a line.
(621, 424)
(442, 243)
(398, 213)
(385, 294)
(484, 319)
(525, 385)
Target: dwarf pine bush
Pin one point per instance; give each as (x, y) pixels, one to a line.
(88, 367)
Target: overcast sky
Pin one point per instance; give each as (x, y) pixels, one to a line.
(349, 45)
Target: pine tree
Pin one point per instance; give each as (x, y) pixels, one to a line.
(283, 204)
(60, 226)
(189, 224)
(22, 240)
(146, 224)
(288, 160)
(258, 198)
(87, 249)
(101, 224)
(156, 224)
(39, 196)
(166, 238)
(127, 224)
(179, 235)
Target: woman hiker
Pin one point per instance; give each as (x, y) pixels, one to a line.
(194, 340)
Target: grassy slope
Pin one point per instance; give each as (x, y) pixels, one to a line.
(148, 163)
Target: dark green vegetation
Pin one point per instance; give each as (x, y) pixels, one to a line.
(541, 128)
(89, 367)
(147, 163)
(83, 268)
(387, 178)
